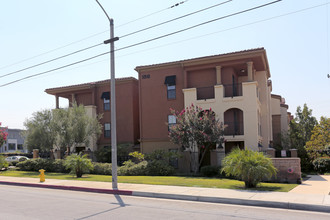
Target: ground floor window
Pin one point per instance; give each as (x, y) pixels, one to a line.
(107, 128)
(11, 146)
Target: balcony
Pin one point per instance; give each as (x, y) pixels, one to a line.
(233, 90)
(205, 93)
(234, 128)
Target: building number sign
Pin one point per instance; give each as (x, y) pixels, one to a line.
(146, 76)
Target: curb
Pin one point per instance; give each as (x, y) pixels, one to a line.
(72, 188)
(232, 201)
(222, 200)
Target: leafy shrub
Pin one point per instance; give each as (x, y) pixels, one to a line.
(3, 162)
(103, 155)
(36, 165)
(132, 169)
(78, 164)
(322, 164)
(210, 171)
(159, 168)
(102, 168)
(59, 167)
(249, 166)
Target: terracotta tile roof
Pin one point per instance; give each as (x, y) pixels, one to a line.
(90, 83)
(205, 57)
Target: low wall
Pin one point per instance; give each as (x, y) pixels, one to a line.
(288, 170)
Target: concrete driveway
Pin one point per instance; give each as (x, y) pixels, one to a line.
(316, 184)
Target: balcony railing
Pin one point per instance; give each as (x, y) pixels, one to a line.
(205, 93)
(234, 128)
(232, 90)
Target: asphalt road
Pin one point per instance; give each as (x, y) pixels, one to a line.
(35, 203)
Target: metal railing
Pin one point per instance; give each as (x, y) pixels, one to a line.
(232, 90)
(205, 93)
(234, 128)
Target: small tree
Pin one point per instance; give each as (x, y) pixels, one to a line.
(3, 135)
(197, 130)
(300, 132)
(249, 166)
(317, 145)
(73, 127)
(40, 133)
(78, 164)
(3, 162)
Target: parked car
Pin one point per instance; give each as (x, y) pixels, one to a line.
(16, 159)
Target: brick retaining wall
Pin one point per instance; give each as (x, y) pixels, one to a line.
(288, 170)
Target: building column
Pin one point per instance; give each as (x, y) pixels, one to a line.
(218, 71)
(250, 71)
(73, 98)
(57, 101)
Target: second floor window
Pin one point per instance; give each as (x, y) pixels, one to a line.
(107, 130)
(170, 82)
(106, 101)
(106, 104)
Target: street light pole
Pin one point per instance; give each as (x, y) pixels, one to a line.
(112, 101)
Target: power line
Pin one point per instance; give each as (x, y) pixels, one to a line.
(96, 34)
(143, 42)
(200, 24)
(52, 70)
(174, 19)
(204, 35)
(122, 36)
(48, 61)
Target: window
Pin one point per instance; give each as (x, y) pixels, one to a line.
(106, 104)
(171, 121)
(11, 146)
(170, 82)
(19, 146)
(107, 130)
(106, 100)
(171, 92)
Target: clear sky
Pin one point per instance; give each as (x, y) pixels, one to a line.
(295, 34)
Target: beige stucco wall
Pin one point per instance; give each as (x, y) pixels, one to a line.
(284, 119)
(248, 103)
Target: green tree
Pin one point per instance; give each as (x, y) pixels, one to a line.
(300, 132)
(40, 132)
(320, 139)
(197, 130)
(249, 166)
(3, 135)
(74, 127)
(3, 162)
(78, 164)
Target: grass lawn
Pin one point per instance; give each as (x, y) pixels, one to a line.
(160, 180)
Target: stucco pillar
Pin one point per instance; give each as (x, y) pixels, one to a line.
(250, 71)
(35, 153)
(271, 152)
(218, 71)
(294, 152)
(57, 102)
(73, 98)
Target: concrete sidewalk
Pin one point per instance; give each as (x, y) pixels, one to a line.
(296, 199)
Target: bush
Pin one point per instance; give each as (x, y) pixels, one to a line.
(3, 162)
(103, 155)
(210, 171)
(78, 164)
(131, 169)
(35, 165)
(159, 168)
(249, 166)
(322, 164)
(102, 168)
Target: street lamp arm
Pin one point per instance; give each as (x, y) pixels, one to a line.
(110, 20)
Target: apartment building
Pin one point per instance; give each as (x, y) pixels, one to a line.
(14, 143)
(95, 96)
(236, 86)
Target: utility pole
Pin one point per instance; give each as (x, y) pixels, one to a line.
(112, 100)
